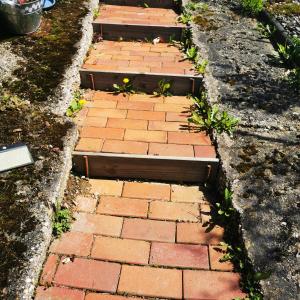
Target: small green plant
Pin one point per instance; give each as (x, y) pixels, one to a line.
(164, 87)
(96, 13)
(290, 53)
(267, 31)
(192, 54)
(125, 88)
(210, 117)
(11, 102)
(76, 104)
(146, 5)
(61, 222)
(201, 67)
(294, 78)
(225, 207)
(185, 18)
(252, 7)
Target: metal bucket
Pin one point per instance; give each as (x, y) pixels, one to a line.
(21, 18)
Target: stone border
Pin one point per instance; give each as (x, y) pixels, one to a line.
(22, 281)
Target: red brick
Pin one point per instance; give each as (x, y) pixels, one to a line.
(121, 250)
(94, 122)
(171, 150)
(188, 138)
(49, 269)
(181, 193)
(149, 230)
(174, 211)
(103, 104)
(147, 190)
(107, 112)
(146, 98)
(167, 126)
(151, 282)
(97, 296)
(73, 243)
(127, 123)
(211, 285)
(85, 204)
(99, 95)
(127, 147)
(198, 234)
(171, 107)
(98, 224)
(123, 207)
(145, 136)
(102, 133)
(146, 115)
(84, 273)
(205, 151)
(135, 105)
(179, 255)
(58, 293)
(106, 187)
(89, 144)
(216, 253)
(180, 117)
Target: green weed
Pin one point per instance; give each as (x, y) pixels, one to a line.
(126, 87)
(290, 53)
(61, 222)
(164, 87)
(96, 13)
(76, 104)
(266, 31)
(201, 67)
(252, 7)
(192, 54)
(225, 209)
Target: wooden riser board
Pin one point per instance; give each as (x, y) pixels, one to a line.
(129, 32)
(150, 3)
(175, 169)
(143, 82)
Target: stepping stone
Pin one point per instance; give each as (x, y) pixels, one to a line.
(145, 64)
(142, 136)
(126, 22)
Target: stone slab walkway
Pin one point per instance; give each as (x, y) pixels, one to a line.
(142, 239)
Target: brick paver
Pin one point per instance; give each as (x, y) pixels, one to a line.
(141, 239)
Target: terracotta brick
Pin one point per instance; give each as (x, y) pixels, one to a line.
(146, 98)
(123, 206)
(146, 115)
(216, 253)
(127, 147)
(89, 144)
(205, 151)
(97, 224)
(199, 234)
(188, 138)
(171, 150)
(94, 122)
(99, 95)
(49, 269)
(151, 282)
(85, 204)
(145, 136)
(84, 273)
(181, 193)
(211, 285)
(179, 117)
(107, 112)
(171, 107)
(146, 190)
(135, 105)
(58, 293)
(102, 104)
(73, 243)
(121, 250)
(179, 255)
(174, 211)
(97, 296)
(149, 230)
(106, 187)
(102, 133)
(167, 126)
(178, 100)
(127, 123)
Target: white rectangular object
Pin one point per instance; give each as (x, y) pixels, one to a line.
(14, 156)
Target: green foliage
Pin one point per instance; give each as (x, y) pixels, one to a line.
(76, 104)
(96, 13)
(185, 18)
(146, 5)
(290, 53)
(126, 87)
(192, 54)
(266, 30)
(201, 67)
(11, 102)
(225, 209)
(209, 118)
(164, 87)
(61, 222)
(293, 78)
(252, 7)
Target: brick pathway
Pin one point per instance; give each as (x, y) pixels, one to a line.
(138, 239)
(140, 124)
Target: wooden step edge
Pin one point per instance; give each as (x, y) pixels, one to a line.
(126, 166)
(167, 4)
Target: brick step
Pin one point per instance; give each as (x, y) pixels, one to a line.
(142, 136)
(115, 22)
(144, 63)
(144, 3)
